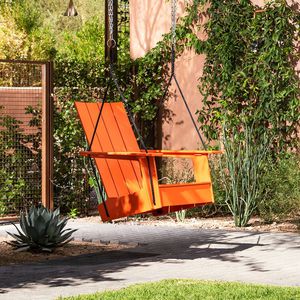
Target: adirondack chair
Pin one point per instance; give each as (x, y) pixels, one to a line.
(126, 171)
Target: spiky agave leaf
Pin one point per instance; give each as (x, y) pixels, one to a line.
(56, 212)
(42, 229)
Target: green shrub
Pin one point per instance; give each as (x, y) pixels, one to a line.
(43, 230)
(85, 44)
(242, 171)
(282, 188)
(11, 191)
(20, 162)
(216, 167)
(69, 167)
(73, 213)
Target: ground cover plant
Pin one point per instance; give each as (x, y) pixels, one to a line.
(193, 289)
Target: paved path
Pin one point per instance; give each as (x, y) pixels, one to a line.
(162, 252)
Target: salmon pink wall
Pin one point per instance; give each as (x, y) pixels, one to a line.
(149, 20)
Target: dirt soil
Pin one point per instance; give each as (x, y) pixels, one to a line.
(8, 256)
(223, 223)
(226, 223)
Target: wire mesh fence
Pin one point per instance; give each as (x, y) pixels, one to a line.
(20, 136)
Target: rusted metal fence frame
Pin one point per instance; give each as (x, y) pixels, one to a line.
(47, 135)
(47, 127)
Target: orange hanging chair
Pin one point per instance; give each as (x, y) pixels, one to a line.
(130, 182)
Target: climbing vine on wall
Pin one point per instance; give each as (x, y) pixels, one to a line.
(249, 71)
(153, 70)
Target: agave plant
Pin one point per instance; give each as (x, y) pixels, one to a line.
(43, 230)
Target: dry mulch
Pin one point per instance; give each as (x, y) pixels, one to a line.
(223, 223)
(8, 256)
(226, 223)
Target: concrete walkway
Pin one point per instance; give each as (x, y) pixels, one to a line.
(160, 252)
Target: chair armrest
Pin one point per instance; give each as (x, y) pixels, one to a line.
(149, 153)
(175, 153)
(113, 155)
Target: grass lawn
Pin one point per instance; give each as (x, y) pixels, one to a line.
(195, 289)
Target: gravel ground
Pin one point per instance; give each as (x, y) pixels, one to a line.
(8, 256)
(225, 223)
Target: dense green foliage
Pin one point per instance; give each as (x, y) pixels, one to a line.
(35, 29)
(85, 45)
(11, 191)
(281, 197)
(70, 179)
(38, 30)
(42, 230)
(193, 289)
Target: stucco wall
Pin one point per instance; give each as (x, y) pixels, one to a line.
(149, 20)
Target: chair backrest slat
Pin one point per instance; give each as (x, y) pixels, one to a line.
(125, 127)
(122, 139)
(119, 177)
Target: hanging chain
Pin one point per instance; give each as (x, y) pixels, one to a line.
(173, 38)
(173, 20)
(111, 41)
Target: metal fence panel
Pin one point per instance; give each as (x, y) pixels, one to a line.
(22, 90)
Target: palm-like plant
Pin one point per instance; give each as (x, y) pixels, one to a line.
(43, 230)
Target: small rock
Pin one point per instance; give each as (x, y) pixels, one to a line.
(87, 240)
(104, 242)
(114, 242)
(96, 241)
